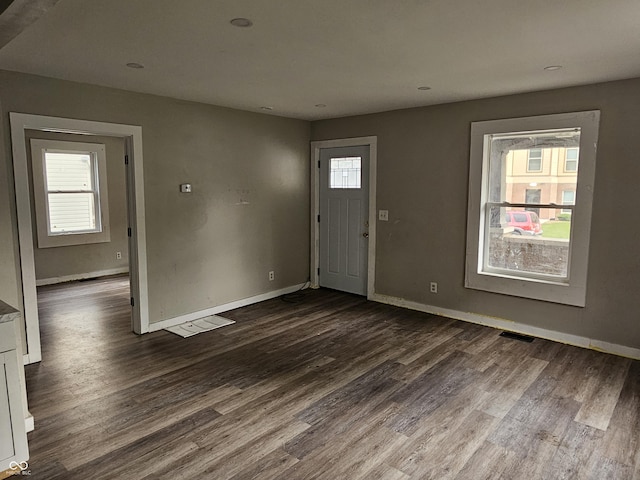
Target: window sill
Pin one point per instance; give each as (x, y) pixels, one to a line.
(532, 288)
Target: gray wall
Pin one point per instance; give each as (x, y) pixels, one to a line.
(249, 210)
(423, 165)
(94, 257)
(248, 213)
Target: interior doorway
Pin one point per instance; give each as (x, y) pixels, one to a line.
(132, 136)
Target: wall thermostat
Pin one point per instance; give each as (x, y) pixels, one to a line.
(185, 188)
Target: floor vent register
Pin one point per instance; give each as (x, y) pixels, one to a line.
(188, 329)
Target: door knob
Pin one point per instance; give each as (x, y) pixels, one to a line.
(365, 234)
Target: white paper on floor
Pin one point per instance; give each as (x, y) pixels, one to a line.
(205, 324)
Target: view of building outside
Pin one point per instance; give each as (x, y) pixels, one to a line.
(542, 176)
(531, 178)
(529, 210)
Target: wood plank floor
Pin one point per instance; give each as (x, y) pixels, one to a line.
(324, 386)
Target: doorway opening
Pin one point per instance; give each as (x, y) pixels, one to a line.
(21, 124)
(343, 214)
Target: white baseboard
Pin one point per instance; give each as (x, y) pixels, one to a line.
(28, 359)
(29, 423)
(81, 276)
(511, 326)
(154, 327)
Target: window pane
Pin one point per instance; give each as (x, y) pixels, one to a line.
(529, 240)
(71, 212)
(510, 176)
(68, 171)
(534, 160)
(502, 256)
(571, 160)
(520, 243)
(568, 197)
(345, 172)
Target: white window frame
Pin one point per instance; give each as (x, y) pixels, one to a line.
(529, 169)
(573, 201)
(47, 239)
(566, 160)
(571, 290)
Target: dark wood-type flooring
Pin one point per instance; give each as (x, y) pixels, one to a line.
(330, 386)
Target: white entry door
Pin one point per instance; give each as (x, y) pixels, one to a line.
(344, 218)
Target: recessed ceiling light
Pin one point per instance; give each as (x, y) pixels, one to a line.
(553, 68)
(266, 108)
(320, 105)
(135, 65)
(424, 88)
(241, 22)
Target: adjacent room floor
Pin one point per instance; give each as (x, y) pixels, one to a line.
(326, 385)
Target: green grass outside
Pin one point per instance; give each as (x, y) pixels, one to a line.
(556, 229)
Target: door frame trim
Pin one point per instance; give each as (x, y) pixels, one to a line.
(316, 146)
(132, 136)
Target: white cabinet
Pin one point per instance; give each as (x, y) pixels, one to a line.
(13, 438)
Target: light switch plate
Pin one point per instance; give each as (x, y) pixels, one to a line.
(383, 215)
(185, 188)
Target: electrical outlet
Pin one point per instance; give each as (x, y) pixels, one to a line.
(433, 287)
(272, 275)
(383, 215)
(118, 255)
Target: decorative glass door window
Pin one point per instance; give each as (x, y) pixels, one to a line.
(345, 172)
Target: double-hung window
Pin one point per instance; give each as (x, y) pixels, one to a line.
(534, 160)
(571, 160)
(518, 246)
(70, 192)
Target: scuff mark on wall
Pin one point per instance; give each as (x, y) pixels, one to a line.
(243, 195)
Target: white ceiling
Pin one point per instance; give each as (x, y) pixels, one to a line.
(355, 56)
